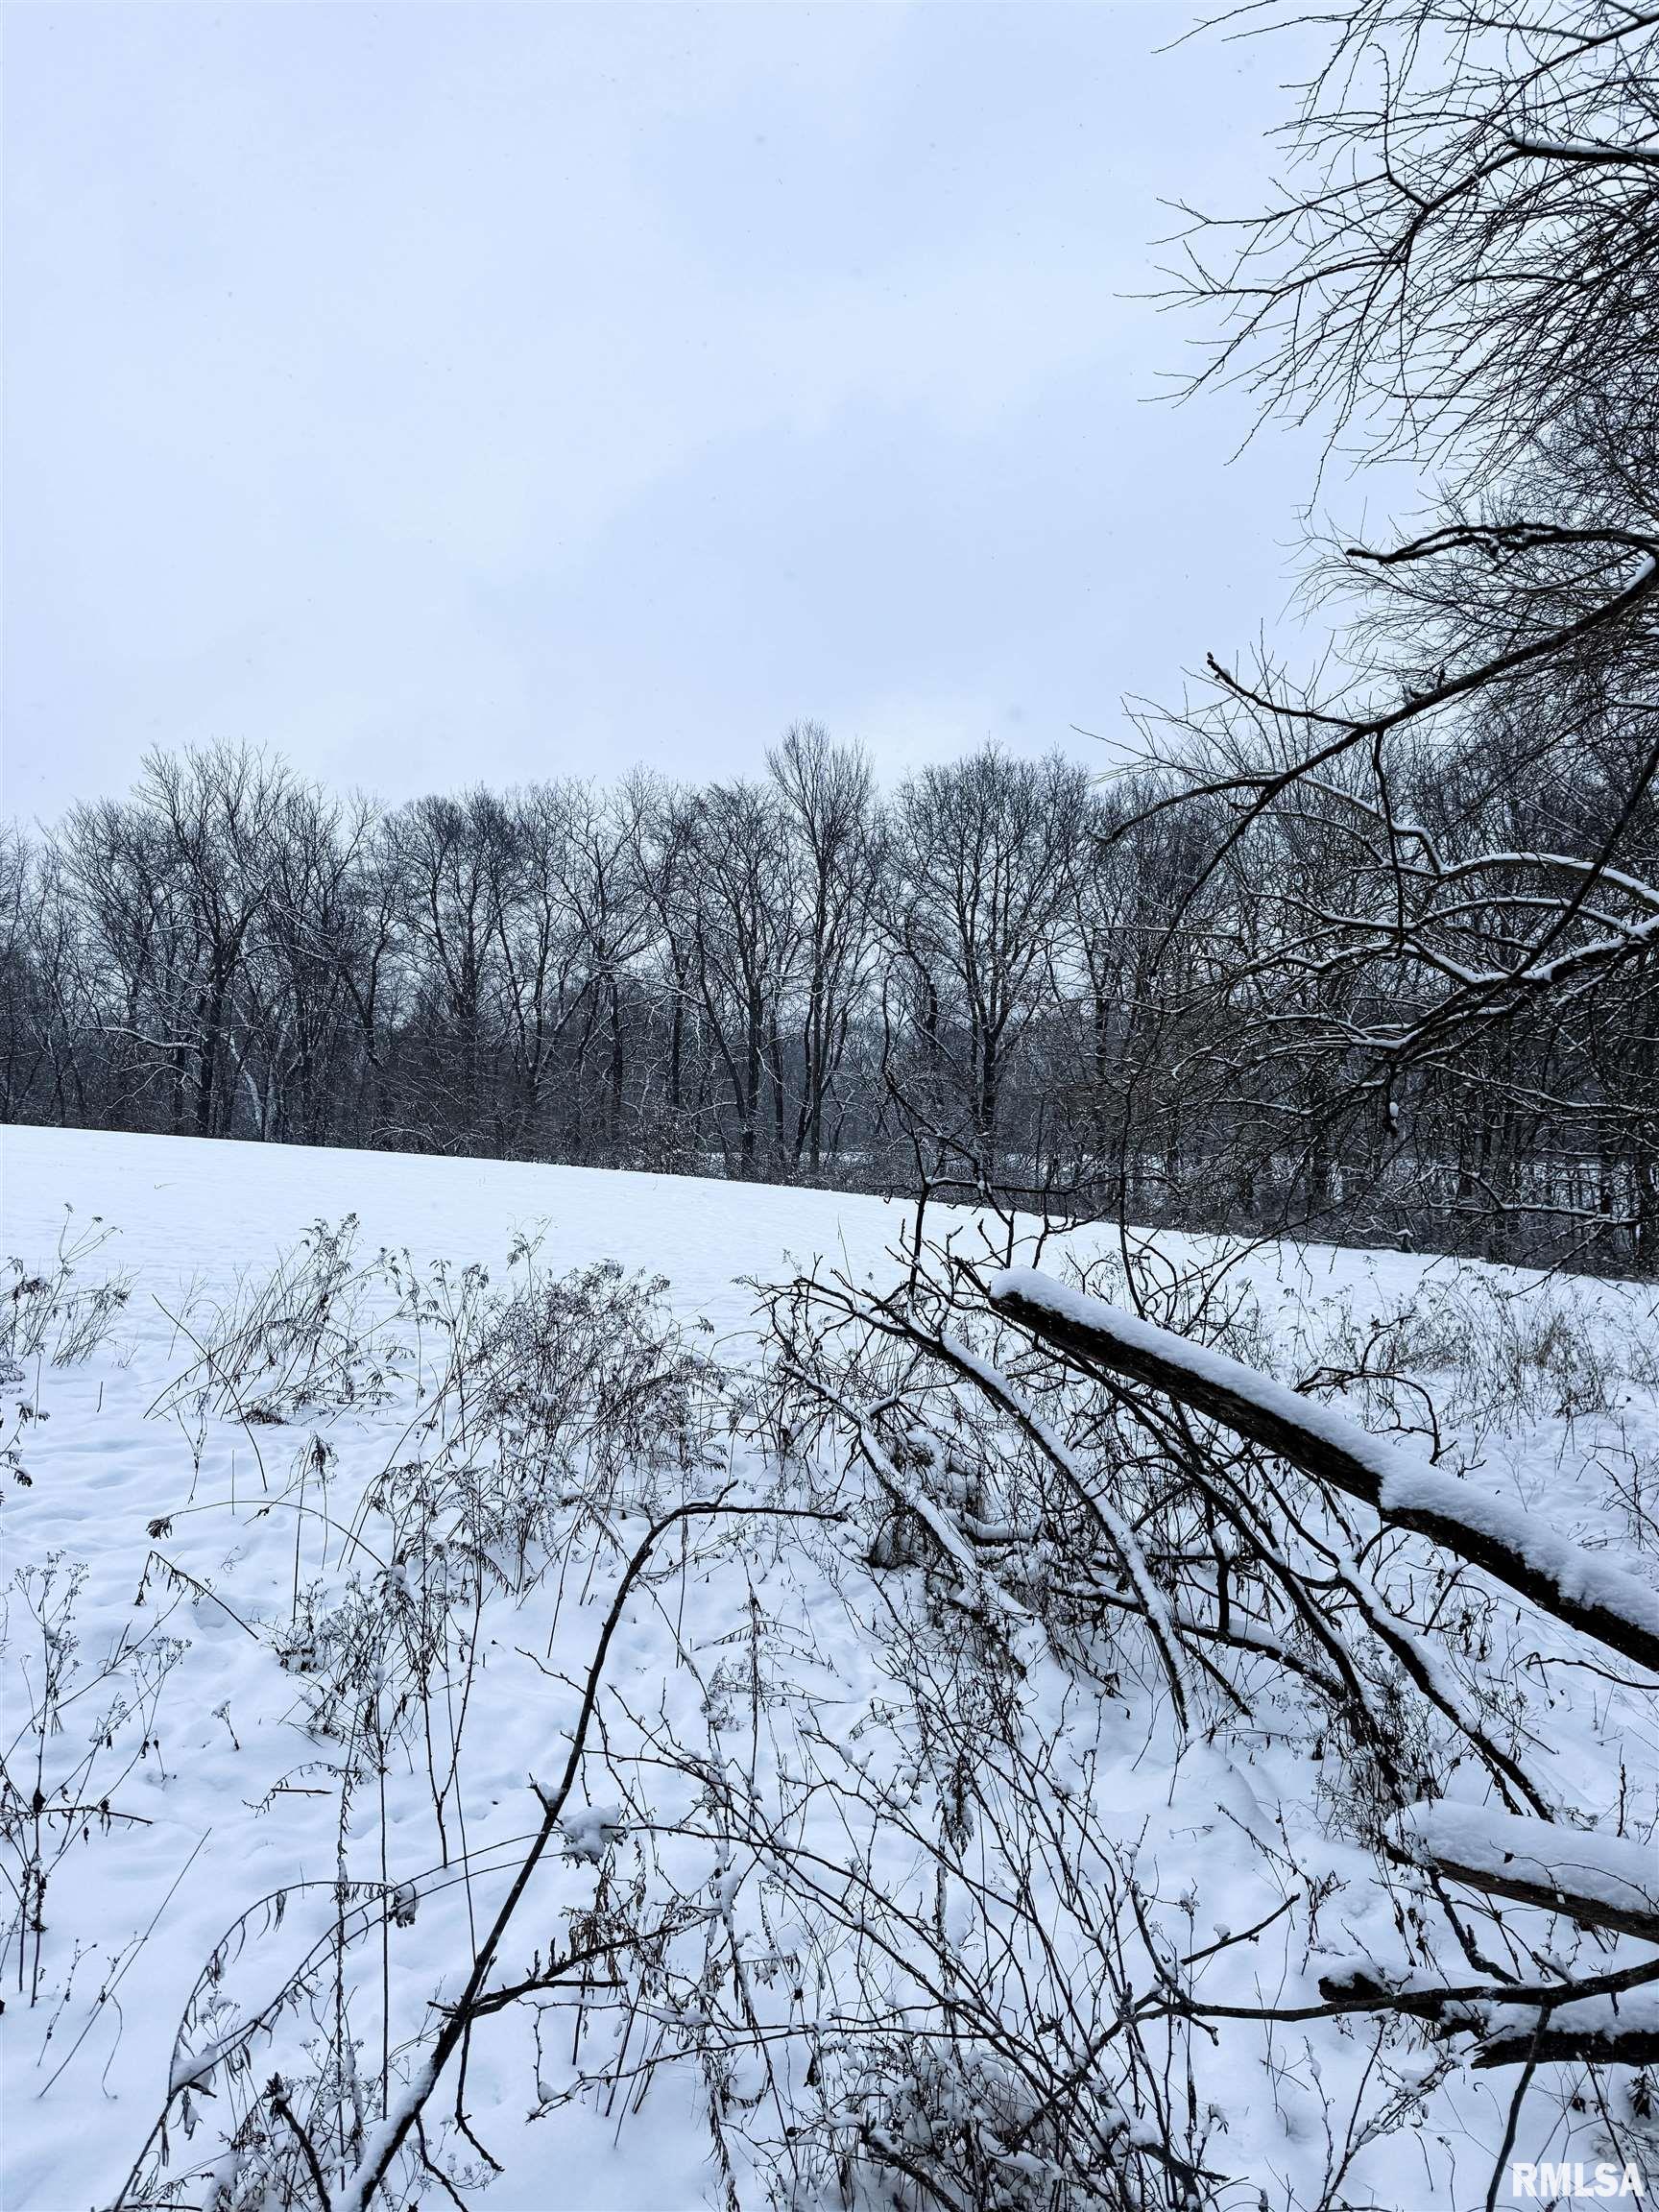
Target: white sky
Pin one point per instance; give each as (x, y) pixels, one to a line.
(459, 391)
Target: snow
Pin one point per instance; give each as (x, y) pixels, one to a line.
(590, 1833)
(1634, 2013)
(239, 1821)
(1620, 1873)
(186, 1208)
(1582, 1577)
(1401, 1485)
(1581, 150)
(218, 1876)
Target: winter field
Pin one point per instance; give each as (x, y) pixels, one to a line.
(971, 1800)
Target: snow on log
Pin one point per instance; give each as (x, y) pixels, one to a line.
(1599, 1880)
(1579, 1587)
(1588, 2032)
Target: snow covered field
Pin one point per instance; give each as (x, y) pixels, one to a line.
(223, 1765)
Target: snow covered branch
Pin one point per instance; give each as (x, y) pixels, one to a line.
(1578, 1586)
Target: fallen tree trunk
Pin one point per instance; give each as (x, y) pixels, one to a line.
(1581, 1588)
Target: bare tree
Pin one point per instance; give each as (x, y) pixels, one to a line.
(450, 856)
(828, 795)
(977, 902)
(1451, 832)
(745, 937)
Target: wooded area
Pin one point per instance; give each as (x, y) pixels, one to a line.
(1004, 974)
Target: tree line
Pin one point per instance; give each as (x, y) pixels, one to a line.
(740, 977)
(1007, 973)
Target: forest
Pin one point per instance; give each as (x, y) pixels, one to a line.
(1007, 973)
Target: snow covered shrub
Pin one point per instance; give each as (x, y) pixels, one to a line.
(544, 1409)
(278, 1977)
(467, 1441)
(68, 1754)
(1216, 1552)
(911, 1961)
(307, 1337)
(47, 1315)
(588, 1379)
(981, 2037)
(967, 1761)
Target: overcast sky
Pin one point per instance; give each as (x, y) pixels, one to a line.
(450, 392)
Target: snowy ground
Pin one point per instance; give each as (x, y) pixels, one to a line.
(224, 1785)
